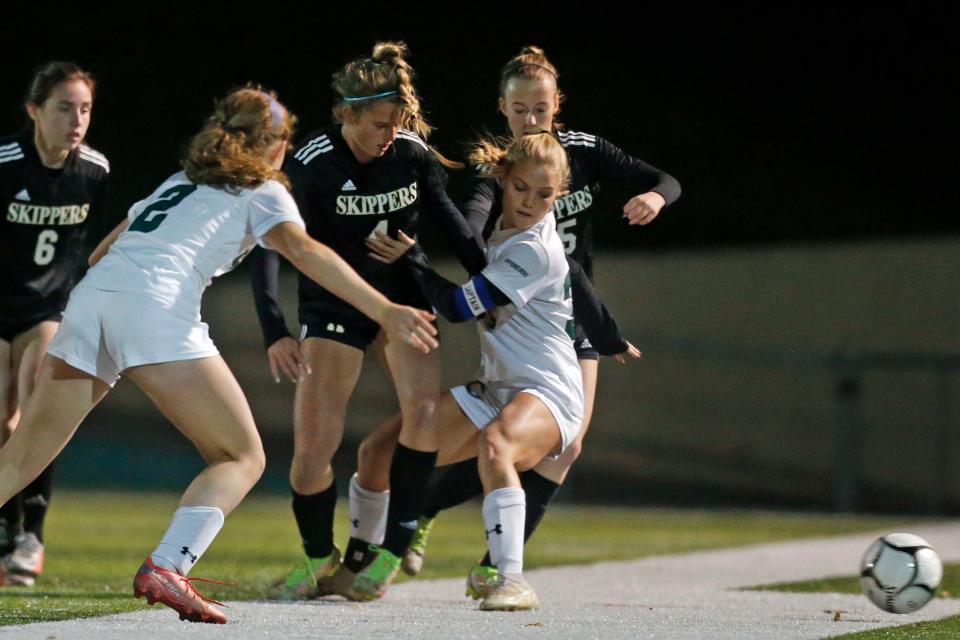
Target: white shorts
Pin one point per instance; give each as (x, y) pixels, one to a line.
(482, 402)
(105, 332)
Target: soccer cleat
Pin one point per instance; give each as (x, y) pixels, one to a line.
(176, 591)
(413, 558)
(480, 579)
(372, 582)
(339, 583)
(27, 556)
(509, 593)
(302, 582)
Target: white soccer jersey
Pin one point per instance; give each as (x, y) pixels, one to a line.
(531, 348)
(183, 235)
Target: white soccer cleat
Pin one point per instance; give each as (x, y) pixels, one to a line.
(510, 593)
(26, 558)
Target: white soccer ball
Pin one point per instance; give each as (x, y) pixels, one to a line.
(900, 573)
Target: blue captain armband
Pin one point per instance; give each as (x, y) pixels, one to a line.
(474, 298)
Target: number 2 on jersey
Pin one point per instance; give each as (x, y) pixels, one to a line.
(151, 217)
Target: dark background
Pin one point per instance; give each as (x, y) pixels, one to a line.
(817, 226)
(798, 123)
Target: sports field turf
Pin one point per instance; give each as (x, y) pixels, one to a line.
(95, 542)
(948, 628)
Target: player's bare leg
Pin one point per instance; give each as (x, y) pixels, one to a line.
(519, 437)
(61, 399)
(416, 378)
(203, 400)
(27, 557)
(320, 409)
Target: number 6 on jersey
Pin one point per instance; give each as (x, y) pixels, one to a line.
(46, 247)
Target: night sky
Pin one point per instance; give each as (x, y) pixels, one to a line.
(805, 124)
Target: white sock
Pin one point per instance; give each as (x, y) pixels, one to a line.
(504, 516)
(191, 531)
(368, 513)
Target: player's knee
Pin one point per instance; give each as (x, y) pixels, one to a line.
(375, 452)
(256, 462)
(495, 446)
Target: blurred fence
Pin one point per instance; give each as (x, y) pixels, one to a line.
(926, 477)
(850, 406)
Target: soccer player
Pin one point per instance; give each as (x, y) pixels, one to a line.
(137, 313)
(528, 401)
(51, 184)
(530, 100)
(369, 171)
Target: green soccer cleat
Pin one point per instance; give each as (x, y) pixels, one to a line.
(372, 582)
(301, 582)
(413, 558)
(480, 579)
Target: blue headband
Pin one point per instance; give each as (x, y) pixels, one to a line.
(277, 112)
(373, 97)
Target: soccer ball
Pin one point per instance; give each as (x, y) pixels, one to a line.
(900, 573)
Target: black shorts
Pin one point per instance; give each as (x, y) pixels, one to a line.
(582, 346)
(327, 316)
(13, 325)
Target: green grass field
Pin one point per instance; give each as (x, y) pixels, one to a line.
(948, 628)
(95, 542)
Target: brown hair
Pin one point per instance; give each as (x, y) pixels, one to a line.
(496, 157)
(47, 76)
(359, 83)
(532, 63)
(229, 150)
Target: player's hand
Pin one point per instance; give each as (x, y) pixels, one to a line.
(642, 209)
(411, 326)
(631, 352)
(284, 357)
(386, 249)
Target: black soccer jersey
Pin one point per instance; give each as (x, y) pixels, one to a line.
(343, 201)
(592, 160)
(45, 214)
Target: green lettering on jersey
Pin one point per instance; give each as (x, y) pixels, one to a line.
(152, 216)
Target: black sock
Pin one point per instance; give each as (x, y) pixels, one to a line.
(36, 500)
(357, 556)
(314, 515)
(454, 485)
(540, 492)
(410, 473)
(11, 514)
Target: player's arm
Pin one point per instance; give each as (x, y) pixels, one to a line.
(322, 264)
(101, 249)
(480, 207)
(456, 303)
(655, 188)
(283, 352)
(445, 214)
(590, 312)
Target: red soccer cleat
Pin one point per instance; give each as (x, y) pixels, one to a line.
(176, 591)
